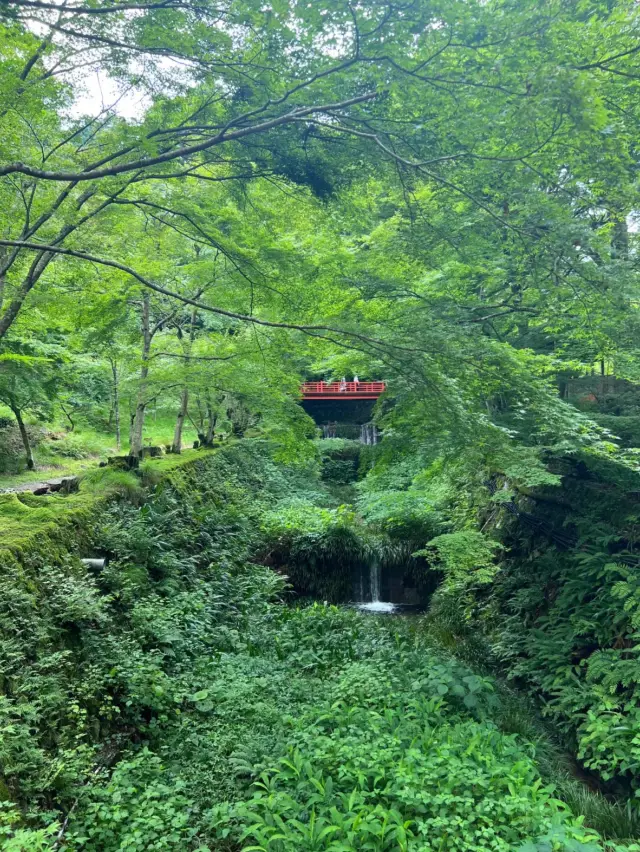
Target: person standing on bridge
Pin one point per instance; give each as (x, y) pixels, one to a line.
(356, 381)
(343, 384)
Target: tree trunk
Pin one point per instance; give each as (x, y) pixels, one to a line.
(42, 260)
(211, 429)
(201, 417)
(26, 443)
(3, 276)
(138, 425)
(135, 447)
(176, 447)
(72, 425)
(132, 418)
(116, 402)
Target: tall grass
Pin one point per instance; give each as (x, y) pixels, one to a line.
(108, 482)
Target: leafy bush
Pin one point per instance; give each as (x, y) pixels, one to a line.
(110, 483)
(560, 618)
(466, 556)
(340, 460)
(624, 427)
(140, 807)
(74, 445)
(340, 471)
(14, 837)
(320, 550)
(409, 516)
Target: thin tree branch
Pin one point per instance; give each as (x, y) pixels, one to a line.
(109, 9)
(313, 330)
(186, 151)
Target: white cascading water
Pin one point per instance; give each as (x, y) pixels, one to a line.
(368, 433)
(375, 604)
(374, 580)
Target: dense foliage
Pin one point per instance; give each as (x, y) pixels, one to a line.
(440, 194)
(203, 204)
(561, 613)
(174, 701)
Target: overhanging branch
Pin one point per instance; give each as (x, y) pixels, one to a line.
(312, 330)
(225, 135)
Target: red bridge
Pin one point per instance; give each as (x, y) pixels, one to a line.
(342, 390)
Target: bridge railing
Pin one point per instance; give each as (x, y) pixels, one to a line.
(322, 388)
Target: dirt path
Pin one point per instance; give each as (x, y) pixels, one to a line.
(46, 486)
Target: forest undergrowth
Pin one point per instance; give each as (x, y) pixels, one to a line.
(180, 699)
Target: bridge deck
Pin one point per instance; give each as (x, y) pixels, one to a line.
(342, 390)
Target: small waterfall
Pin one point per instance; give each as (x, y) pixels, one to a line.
(369, 434)
(375, 604)
(374, 581)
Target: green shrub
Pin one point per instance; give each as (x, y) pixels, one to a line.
(340, 460)
(140, 807)
(340, 471)
(73, 445)
(408, 516)
(109, 482)
(465, 556)
(14, 837)
(624, 427)
(320, 550)
(560, 616)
